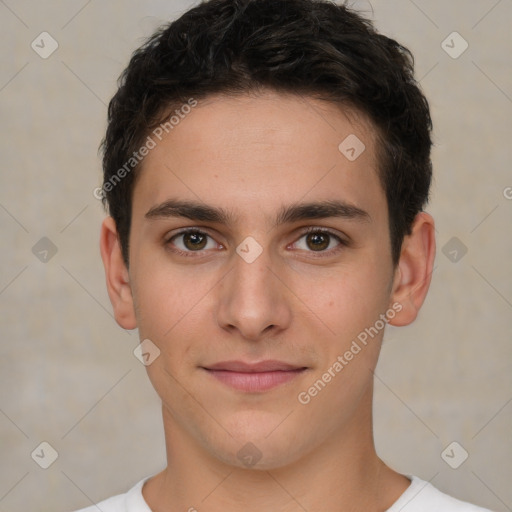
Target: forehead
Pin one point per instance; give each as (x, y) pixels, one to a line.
(258, 152)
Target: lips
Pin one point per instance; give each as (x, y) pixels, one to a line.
(254, 377)
(263, 366)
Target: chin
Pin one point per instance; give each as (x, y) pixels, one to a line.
(261, 445)
(258, 456)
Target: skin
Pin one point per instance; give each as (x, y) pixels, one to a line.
(252, 156)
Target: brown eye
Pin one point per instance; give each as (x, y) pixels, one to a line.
(195, 241)
(192, 241)
(318, 241)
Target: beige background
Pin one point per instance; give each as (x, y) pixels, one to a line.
(68, 375)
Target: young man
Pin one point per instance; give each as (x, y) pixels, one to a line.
(266, 164)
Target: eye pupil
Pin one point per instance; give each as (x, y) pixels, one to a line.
(194, 241)
(317, 241)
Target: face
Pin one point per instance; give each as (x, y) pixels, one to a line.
(259, 258)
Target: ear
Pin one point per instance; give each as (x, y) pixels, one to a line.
(414, 270)
(116, 273)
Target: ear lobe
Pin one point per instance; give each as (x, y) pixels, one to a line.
(414, 272)
(117, 277)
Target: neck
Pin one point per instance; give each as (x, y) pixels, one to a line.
(342, 473)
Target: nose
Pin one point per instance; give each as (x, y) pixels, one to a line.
(254, 301)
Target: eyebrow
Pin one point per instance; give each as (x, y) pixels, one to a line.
(287, 214)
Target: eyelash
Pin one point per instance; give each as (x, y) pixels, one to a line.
(341, 243)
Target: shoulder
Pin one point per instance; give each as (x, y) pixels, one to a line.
(422, 496)
(114, 504)
(132, 501)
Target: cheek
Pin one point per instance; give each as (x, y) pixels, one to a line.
(350, 303)
(165, 294)
(174, 311)
(157, 307)
(346, 300)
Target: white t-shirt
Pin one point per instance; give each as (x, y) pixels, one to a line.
(420, 496)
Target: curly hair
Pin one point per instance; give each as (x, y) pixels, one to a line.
(306, 47)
